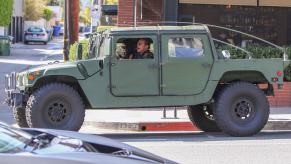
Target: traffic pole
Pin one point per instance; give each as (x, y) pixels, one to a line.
(73, 21)
(66, 34)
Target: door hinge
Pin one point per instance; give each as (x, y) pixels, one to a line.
(162, 64)
(163, 86)
(112, 86)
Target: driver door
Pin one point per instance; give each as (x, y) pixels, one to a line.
(134, 77)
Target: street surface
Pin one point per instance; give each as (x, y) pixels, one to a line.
(191, 148)
(184, 147)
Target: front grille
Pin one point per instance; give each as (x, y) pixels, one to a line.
(10, 81)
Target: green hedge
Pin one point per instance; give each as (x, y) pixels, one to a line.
(6, 9)
(73, 48)
(259, 52)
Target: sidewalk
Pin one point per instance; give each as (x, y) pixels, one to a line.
(152, 120)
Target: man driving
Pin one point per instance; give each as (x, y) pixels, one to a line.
(142, 50)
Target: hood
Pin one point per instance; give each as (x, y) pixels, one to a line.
(94, 139)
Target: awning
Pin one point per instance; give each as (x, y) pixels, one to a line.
(224, 2)
(278, 3)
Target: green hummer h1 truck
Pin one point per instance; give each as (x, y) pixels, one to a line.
(221, 93)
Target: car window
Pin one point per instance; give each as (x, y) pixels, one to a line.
(181, 47)
(35, 29)
(11, 142)
(134, 48)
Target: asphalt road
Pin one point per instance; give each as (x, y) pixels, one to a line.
(209, 148)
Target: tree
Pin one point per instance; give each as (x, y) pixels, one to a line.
(85, 16)
(6, 9)
(111, 2)
(33, 9)
(47, 14)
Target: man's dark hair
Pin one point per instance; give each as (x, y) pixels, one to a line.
(146, 41)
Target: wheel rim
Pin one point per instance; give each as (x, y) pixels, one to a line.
(243, 110)
(208, 113)
(58, 112)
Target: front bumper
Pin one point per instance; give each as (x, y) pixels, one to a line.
(14, 97)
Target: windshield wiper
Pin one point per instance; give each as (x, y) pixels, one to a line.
(38, 141)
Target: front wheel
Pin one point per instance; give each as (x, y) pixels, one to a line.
(19, 117)
(55, 106)
(241, 109)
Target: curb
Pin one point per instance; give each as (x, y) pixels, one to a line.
(172, 126)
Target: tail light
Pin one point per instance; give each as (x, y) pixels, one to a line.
(280, 73)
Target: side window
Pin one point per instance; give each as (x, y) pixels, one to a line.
(182, 47)
(134, 48)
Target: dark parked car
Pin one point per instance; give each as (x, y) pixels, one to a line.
(47, 146)
(36, 34)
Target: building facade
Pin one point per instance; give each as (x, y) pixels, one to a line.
(267, 19)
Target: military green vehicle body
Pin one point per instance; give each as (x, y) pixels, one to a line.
(109, 82)
(162, 81)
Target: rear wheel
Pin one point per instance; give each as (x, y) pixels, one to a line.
(55, 106)
(202, 117)
(241, 109)
(19, 116)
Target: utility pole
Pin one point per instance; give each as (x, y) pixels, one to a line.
(66, 32)
(73, 21)
(71, 27)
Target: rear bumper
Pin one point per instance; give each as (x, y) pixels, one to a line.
(14, 97)
(30, 39)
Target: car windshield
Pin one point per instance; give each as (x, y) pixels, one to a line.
(12, 140)
(35, 29)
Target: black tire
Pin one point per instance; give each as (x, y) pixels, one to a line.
(241, 109)
(19, 117)
(55, 106)
(202, 117)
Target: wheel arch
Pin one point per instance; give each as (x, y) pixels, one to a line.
(254, 77)
(69, 80)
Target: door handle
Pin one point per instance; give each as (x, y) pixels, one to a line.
(206, 65)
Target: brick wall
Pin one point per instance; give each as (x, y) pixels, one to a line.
(125, 12)
(282, 97)
(149, 11)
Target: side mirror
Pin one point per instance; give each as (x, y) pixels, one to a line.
(101, 64)
(79, 51)
(226, 54)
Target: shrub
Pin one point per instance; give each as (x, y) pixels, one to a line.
(6, 9)
(259, 52)
(85, 53)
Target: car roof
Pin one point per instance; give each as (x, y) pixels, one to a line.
(160, 28)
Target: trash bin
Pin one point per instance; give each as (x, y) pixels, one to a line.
(5, 45)
(57, 30)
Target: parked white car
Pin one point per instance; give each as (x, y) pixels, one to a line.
(36, 34)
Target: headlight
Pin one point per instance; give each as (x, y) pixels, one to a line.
(33, 75)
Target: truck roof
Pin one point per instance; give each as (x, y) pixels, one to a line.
(160, 28)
